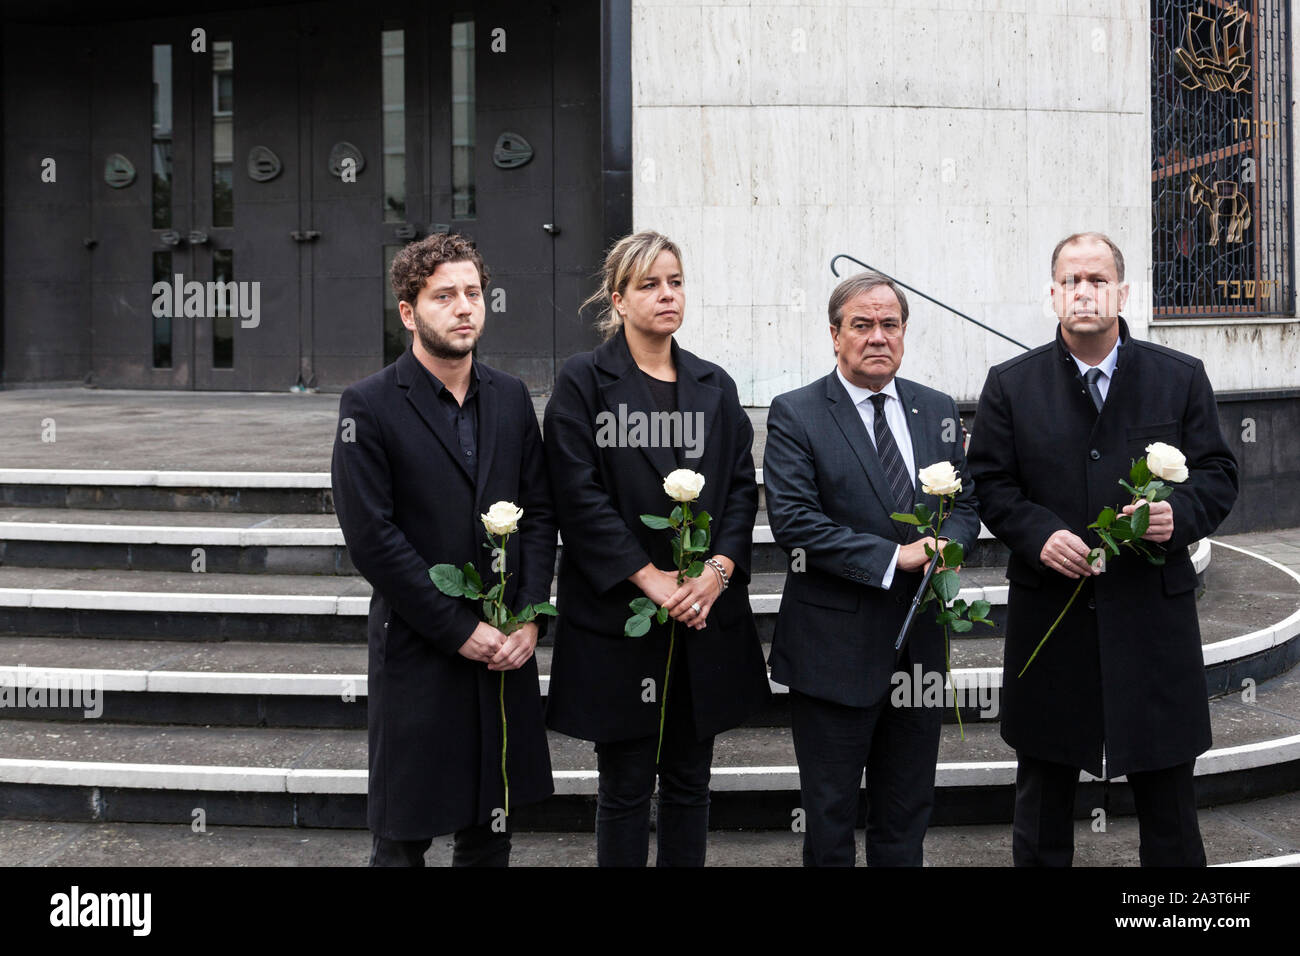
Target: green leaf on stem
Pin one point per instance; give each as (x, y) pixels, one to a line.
(1141, 520)
(945, 584)
(924, 513)
(1111, 546)
(675, 519)
(472, 576)
(702, 520)
(1159, 491)
(1122, 528)
(945, 618)
(1135, 492)
(527, 614)
(958, 606)
(636, 626)
(953, 554)
(906, 519)
(661, 615)
(657, 522)
(494, 593)
(979, 611)
(449, 579)
(960, 626)
(547, 608)
(1105, 519)
(695, 570)
(643, 606)
(1140, 473)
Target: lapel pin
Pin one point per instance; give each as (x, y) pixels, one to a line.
(915, 412)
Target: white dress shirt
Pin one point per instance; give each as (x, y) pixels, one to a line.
(1107, 366)
(896, 419)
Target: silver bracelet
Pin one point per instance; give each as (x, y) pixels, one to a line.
(716, 565)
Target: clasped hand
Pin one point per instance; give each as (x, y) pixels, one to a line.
(501, 652)
(680, 600)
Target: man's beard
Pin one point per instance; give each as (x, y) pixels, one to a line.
(438, 346)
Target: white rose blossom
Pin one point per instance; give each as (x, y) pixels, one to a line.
(1166, 462)
(941, 478)
(683, 485)
(502, 518)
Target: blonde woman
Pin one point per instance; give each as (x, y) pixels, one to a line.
(621, 418)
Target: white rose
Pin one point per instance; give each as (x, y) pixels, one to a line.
(941, 478)
(683, 484)
(502, 518)
(1166, 462)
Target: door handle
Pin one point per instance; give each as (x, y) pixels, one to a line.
(198, 237)
(304, 235)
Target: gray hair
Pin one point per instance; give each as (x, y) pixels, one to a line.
(857, 284)
(1096, 237)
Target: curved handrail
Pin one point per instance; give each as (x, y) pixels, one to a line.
(942, 305)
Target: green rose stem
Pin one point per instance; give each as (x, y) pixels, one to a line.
(505, 779)
(947, 656)
(1092, 556)
(672, 631)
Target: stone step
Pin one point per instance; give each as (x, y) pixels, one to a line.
(284, 607)
(247, 542)
(278, 777)
(310, 684)
(1261, 832)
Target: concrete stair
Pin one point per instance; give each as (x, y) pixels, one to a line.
(241, 690)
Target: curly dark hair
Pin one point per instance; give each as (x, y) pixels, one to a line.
(418, 260)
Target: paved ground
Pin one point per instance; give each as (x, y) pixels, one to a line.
(183, 431)
(1269, 827)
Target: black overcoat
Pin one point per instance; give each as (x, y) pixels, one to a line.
(405, 502)
(1125, 667)
(597, 690)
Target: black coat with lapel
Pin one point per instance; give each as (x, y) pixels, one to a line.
(828, 497)
(1125, 665)
(597, 690)
(405, 502)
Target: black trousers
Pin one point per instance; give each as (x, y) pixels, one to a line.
(898, 747)
(627, 774)
(1043, 831)
(474, 846)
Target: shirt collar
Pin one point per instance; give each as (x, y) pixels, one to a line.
(1107, 365)
(439, 387)
(859, 395)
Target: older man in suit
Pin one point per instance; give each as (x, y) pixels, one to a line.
(1120, 686)
(842, 455)
(425, 446)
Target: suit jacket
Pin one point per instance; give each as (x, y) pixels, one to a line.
(1125, 666)
(602, 488)
(828, 497)
(405, 502)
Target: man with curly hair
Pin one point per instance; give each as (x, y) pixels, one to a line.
(424, 447)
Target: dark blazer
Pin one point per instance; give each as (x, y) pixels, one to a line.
(596, 690)
(1125, 665)
(405, 502)
(828, 496)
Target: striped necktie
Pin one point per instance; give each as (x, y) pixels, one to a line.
(900, 481)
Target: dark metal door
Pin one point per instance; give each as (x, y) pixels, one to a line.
(247, 181)
(514, 218)
(140, 198)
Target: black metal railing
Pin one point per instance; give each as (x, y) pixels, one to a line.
(929, 298)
